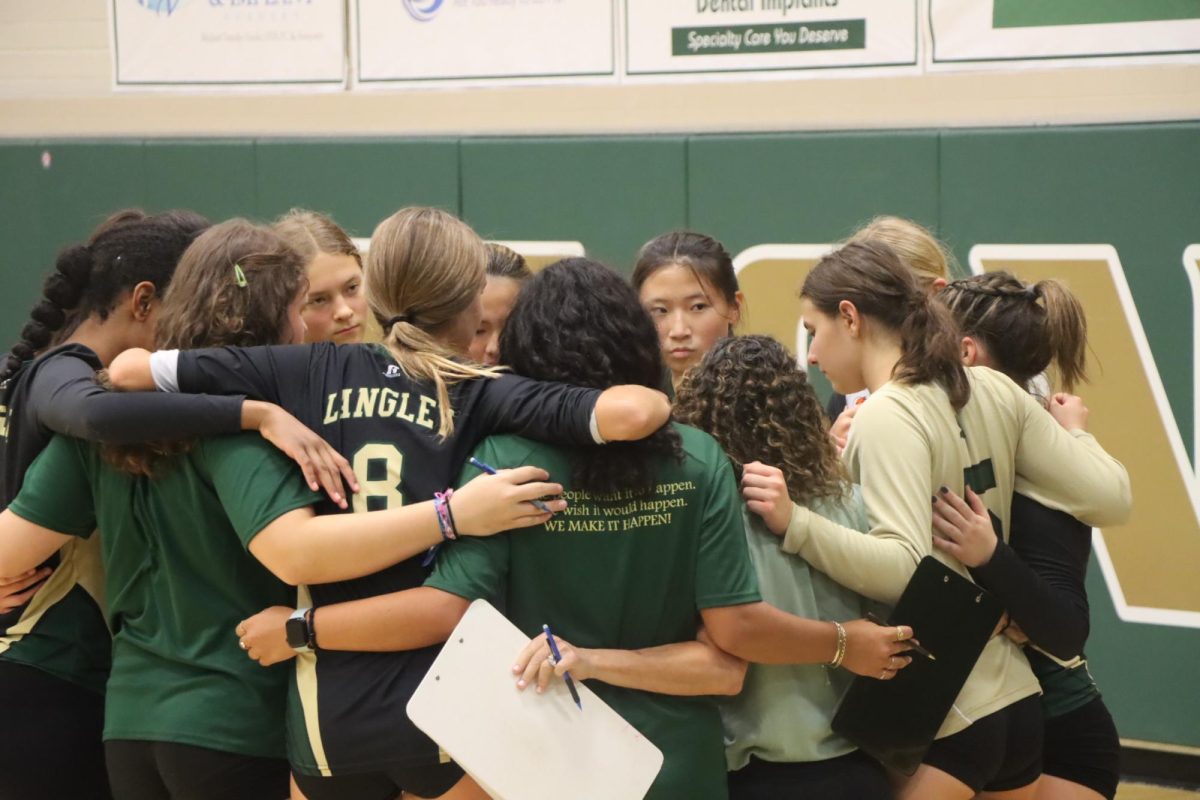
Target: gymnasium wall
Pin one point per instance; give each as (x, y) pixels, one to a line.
(1134, 187)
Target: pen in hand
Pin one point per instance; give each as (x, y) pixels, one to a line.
(558, 657)
(916, 648)
(477, 464)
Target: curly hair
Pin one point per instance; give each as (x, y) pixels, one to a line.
(579, 322)
(757, 403)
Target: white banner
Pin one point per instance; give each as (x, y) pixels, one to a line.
(1013, 30)
(179, 42)
(425, 40)
(674, 36)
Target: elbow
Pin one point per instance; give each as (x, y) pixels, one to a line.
(284, 566)
(733, 677)
(732, 639)
(637, 416)
(128, 371)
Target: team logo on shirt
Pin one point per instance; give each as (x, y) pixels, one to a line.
(392, 371)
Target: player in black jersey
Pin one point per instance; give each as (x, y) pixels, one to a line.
(406, 414)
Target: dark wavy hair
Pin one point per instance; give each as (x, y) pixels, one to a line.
(579, 322)
(757, 403)
(126, 249)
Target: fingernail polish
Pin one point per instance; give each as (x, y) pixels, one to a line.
(943, 489)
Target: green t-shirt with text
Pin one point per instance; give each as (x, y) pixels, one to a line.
(178, 580)
(624, 572)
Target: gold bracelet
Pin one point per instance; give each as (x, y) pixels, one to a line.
(841, 647)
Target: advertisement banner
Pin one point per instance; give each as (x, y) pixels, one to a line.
(681, 36)
(182, 42)
(430, 40)
(1015, 30)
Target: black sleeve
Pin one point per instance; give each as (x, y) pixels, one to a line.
(67, 400)
(276, 374)
(1040, 577)
(837, 404)
(546, 412)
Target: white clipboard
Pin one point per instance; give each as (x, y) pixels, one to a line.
(524, 745)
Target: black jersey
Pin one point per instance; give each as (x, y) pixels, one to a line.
(348, 710)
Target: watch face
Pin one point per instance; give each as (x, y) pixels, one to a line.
(296, 631)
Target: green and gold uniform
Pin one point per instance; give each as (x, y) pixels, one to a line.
(179, 579)
(624, 572)
(906, 443)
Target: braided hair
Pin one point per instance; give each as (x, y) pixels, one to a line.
(126, 249)
(1024, 328)
(579, 322)
(751, 396)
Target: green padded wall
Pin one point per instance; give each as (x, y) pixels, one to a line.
(611, 194)
(1136, 187)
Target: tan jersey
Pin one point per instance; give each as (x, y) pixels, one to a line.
(907, 443)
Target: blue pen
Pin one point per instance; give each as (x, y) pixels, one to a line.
(477, 464)
(557, 658)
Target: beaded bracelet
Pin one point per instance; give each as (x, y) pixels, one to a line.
(441, 502)
(841, 647)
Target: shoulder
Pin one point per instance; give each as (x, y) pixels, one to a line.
(68, 361)
(898, 401)
(701, 450)
(237, 448)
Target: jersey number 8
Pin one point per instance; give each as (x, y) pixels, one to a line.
(378, 467)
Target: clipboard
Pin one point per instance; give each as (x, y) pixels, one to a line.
(895, 721)
(522, 745)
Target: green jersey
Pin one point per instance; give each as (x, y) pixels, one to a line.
(179, 579)
(626, 572)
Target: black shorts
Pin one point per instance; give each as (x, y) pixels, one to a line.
(854, 776)
(51, 747)
(1000, 752)
(431, 781)
(1082, 747)
(168, 771)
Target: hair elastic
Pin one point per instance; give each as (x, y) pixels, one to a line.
(387, 326)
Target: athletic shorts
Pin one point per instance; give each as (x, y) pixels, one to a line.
(854, 776)
(143, 770)
(430, 781)
(52, 749)
(1000, 752)
(1082, 747)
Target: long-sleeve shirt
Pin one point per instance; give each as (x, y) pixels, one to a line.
(908, 442)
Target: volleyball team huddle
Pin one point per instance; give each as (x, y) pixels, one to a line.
(185, 615)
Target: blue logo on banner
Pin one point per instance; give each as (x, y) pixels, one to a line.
(421, 10)
(160, 6)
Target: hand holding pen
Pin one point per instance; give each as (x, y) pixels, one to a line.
(912, 644)
(490, 470)
(544, 657)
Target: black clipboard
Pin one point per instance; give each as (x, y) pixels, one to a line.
(895, 721)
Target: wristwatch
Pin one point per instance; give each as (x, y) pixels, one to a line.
(299, 630)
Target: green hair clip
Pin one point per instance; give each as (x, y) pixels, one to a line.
(239, 277)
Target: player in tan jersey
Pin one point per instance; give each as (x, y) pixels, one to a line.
(929, 424)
